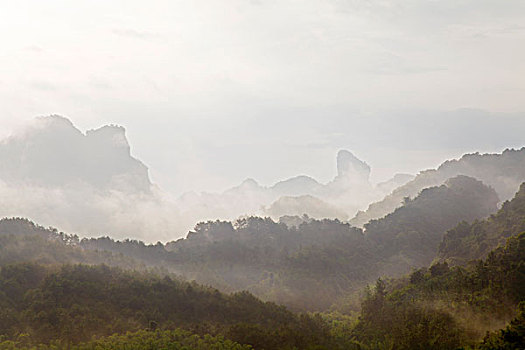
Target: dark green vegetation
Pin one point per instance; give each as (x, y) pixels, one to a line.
(309, 267)
(439, 305)
(73, 303)
(474, 241)
(512, 337)
(144, 340)
(444, 308)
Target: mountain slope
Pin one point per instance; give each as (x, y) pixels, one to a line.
(312, 265)
(73, 304)
(474, 241)
(443, 307)
(504, 172)
(308, 267)
(410, 236)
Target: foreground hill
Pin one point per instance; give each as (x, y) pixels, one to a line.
(76, 303)
(78, 307)
(445, 308)
(435, 307)
(309, 267)
(504, 172)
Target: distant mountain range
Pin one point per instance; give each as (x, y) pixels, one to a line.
(504, 172)
(341, 198)
(53, 153)
(91, 184)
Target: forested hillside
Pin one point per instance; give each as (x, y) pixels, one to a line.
(309, 267)
(319, 263)
(504, 172)
(474, 241)
(445, 308)
(74, 303)
(439, 307)
(22, 240)
(448, 307)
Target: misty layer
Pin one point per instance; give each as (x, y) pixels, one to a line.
(89, 183)
(311, 265)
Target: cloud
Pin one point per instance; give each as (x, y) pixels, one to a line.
(43, 85)
(34, 48)
(389, 63)
(135, 34)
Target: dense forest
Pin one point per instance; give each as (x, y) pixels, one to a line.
(445, 307)
(439, 307)
(312, 266)
(474, 241)
(73, 303)
(448, 294)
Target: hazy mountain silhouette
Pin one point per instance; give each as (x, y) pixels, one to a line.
(349, 191)
(53, 152)
(297, 186)
(86, 183)
(504, 172)
(90, 184)
(300, 205)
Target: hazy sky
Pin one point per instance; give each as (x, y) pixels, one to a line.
(212, 92)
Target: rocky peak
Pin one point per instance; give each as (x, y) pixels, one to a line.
(351, 168)
(53, 152)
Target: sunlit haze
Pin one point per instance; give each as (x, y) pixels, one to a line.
(214, 92)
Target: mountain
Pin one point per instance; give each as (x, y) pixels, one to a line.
(450, 308)
(467, 242)
(398, 180)
(296, 186)
(86, 183)
(349, 191)
(66, 305)
(504, 172)
(53, 152)
(315, 262)
(309, 266)
(300, 205)
(443, 306)
(351, 169)
(89, 183)
(410, 236)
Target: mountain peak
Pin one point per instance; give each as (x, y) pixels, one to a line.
(53, 152)
(349, 166)
(55, 119)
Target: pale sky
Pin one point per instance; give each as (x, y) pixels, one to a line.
(214, 91)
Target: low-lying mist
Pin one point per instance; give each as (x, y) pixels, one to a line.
(90, 184)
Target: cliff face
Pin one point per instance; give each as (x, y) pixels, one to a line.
(351, 169)
(53, 153)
